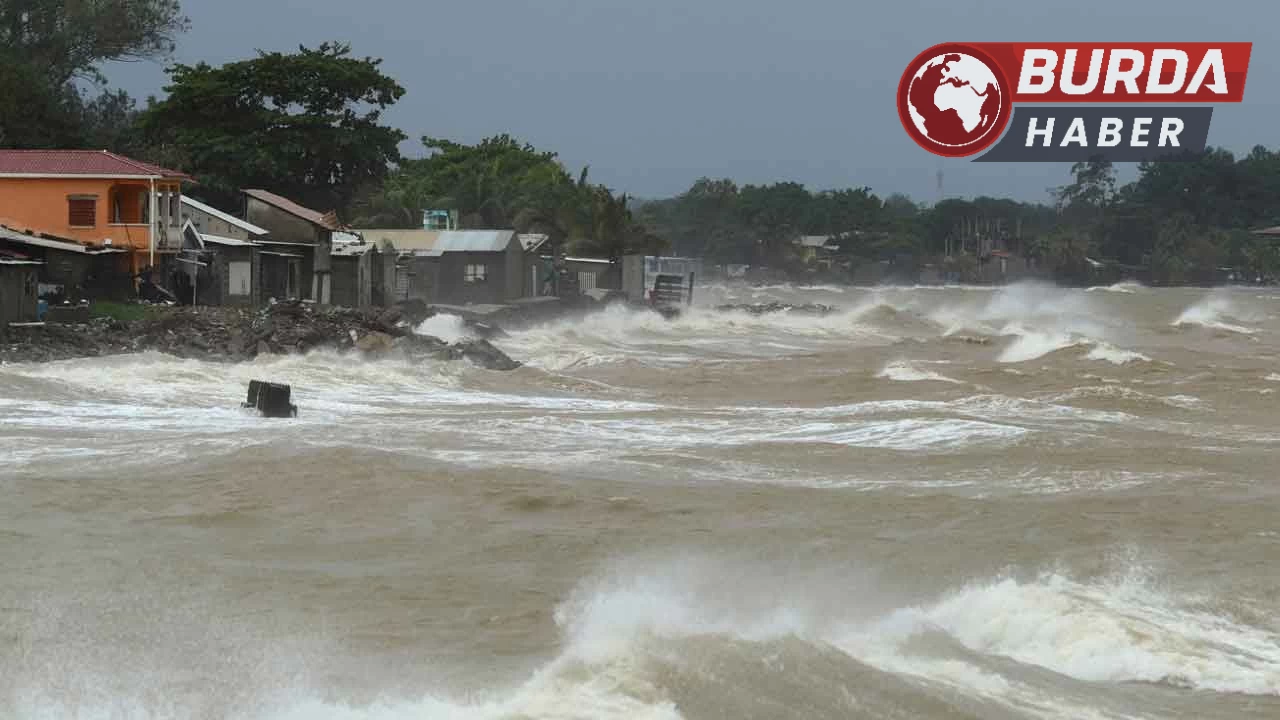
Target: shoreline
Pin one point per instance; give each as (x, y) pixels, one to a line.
(225, 334)
(221, 334)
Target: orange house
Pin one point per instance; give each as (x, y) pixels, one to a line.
(96, 197)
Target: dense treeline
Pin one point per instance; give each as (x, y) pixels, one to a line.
(1178, 222)
(308, 124)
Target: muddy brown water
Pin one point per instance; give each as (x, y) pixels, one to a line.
(1023, 502)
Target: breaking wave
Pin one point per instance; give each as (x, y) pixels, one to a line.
(1216, 312)
(904, 371)
(1037, 319)
(1128, 287)
(643, 641)
(1115, 355)
(1118, 630)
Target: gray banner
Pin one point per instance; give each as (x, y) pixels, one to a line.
(1074, 133)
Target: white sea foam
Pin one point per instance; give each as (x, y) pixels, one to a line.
(1109, 631)
(1033, 344)
(1127, 287)
(905, 371)
(1216, 311)
(1114, 355)
(449, 328)
(1114, 631)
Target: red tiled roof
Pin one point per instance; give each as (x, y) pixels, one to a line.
(79, 162)
(328, 221)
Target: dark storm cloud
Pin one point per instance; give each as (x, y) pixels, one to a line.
(654, 94)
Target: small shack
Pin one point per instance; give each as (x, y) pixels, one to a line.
(217, 270)
(594, 273)
(352, 274)
(19, 294)
(479, 267)
(281, 274)
(71, 270)
(294, 232)
(455, 267)
(404, 267)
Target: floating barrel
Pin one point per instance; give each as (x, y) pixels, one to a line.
(270, 399)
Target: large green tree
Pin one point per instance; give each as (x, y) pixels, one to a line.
(52, 90)
(501, 182)
(306, 125)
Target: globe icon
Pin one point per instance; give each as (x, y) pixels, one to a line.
(955, 100)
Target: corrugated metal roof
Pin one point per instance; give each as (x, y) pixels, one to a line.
(226, 217)
(65, 245)
(80, 162)
(434, 243)
(473, 240)
(328, 221)
(219, 240)
(403, 240)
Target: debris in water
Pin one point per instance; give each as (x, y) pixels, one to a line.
(270, 399)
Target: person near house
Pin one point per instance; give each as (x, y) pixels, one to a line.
(549, 281)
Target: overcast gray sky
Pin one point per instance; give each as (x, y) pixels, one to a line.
(653, 94)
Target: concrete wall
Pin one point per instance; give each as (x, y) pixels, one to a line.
(353, 280)
(514, 281)
(633, 277)
(285, 227)
(18, 284)
(382, 268)
(213, 225)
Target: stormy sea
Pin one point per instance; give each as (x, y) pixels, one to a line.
(929, 503)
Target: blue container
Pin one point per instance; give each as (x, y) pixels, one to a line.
(42, 307)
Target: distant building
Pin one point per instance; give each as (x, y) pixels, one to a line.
(815, 248)
(439, 219)
(298, 233)
(456, 267)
